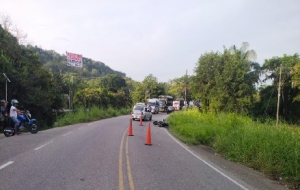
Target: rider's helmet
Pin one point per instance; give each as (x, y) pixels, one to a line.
(14, 102)
(2, 102)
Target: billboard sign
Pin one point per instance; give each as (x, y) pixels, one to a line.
(74, 60)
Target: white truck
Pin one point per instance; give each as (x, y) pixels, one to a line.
(153, 105)
(178, 104)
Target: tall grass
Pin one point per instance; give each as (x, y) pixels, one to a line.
(93, 114)
(272, 150)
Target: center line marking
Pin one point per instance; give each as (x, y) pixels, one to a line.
(130, 180)
(43, 145)
(121, 180)
(4, 165)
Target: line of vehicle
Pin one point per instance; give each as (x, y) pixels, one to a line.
(130, 180)
(208, 164)
(43, 145)
(6, 164)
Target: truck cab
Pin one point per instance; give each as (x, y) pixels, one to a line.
(153, 105)
(164, 102)
(178, 104)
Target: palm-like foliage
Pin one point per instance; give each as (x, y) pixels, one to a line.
(226, 82)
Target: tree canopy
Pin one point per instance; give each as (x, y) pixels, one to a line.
(226, 81)
(148, 88)
(289, 93)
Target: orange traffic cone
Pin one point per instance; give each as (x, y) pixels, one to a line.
(148, 137)
(141, 119)
(130, 128)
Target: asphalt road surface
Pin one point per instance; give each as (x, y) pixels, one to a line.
(101, 155)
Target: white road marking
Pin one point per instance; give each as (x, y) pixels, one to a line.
(208, 164)
(43, 145)
(4, 165)
(67, 133)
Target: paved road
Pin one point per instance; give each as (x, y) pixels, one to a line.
(100, 155)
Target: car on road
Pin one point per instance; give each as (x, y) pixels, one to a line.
(140, 103)
(139, 111)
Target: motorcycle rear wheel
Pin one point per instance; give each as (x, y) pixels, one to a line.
(9, 134)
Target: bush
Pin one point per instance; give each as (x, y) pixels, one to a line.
(81, 115)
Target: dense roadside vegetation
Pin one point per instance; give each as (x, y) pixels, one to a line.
(93, 114)
(43, 84)
(273, 150)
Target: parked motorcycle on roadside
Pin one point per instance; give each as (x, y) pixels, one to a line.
(26, 123)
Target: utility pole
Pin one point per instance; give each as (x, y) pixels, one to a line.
(7, 79)
(185, 87)
(147, 95)
(278, 99)
(71, 93)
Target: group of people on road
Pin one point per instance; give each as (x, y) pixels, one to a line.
(13, 112)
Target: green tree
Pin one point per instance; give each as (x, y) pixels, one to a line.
(180, 88)
(149, 86)
(32, 85)
(138, 94)
(90, 97)
(226, 82)
(289, 107)
(296, 79)
(203, 83)
(113, 82)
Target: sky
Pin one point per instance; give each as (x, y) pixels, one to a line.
(164, 38)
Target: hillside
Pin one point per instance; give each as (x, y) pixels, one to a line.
(53, 61)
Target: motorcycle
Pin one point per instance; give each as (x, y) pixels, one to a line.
(162, 123)
(26, 122)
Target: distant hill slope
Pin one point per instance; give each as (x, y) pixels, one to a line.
(58, 63)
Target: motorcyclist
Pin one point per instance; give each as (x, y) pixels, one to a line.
(14, 112)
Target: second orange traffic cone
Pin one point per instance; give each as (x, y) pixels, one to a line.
(148, 136)
(130, 128)
(141, 119)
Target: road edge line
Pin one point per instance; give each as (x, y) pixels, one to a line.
(205, 162)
